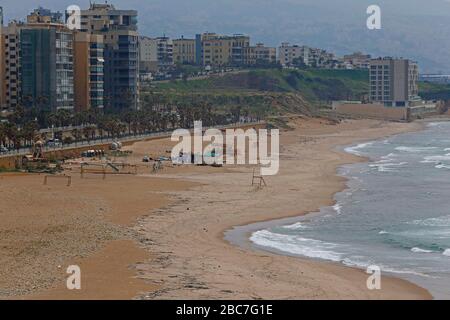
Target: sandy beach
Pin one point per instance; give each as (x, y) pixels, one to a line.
(161, 236)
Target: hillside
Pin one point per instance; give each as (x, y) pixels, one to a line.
(318, 87)
(434, 91)
(266, 92)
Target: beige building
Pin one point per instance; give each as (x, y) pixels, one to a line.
(10, 66)
(88, 71)
(393, 82)
(155, 54)
(218, 50)
(288, 55)
(357, 60)
(121, 52)
(148, 55)
(260, 54)
(184, 51)
(2, 63)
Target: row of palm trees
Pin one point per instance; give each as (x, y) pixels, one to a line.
(157, 113)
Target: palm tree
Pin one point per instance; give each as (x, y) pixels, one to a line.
(77, 135)
(3, 134)
(30, 130)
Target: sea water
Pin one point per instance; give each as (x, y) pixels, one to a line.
(395, 213)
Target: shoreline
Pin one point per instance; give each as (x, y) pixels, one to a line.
(177, 218)
(214, 268)
(240, 235)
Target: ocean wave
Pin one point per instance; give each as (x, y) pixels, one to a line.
(295, 226)
(419, 250)
(446, 252)
(387, 167)
(414, 149)
(443, 221)
(437, 158)
(337, 207)
(352, 262)
(383, 232)
(353, 149)
(297, 245)
(442, 166)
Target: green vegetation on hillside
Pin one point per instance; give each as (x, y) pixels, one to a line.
(434, 91)
(316, 86)
(267, 92)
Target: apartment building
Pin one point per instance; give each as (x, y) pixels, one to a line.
(155, 54)
(148, 55)
(2, 64)
(289, 55)
(46, 62)
(260, 54)
(357, 60)
(88, 71)
(9, 66)
(218, 50)
(121, 52)
(184, 51)
(164, 47)
(393, 82)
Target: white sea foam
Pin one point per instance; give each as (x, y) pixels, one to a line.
(296, 245)
(337, 207)
(419, 250)
(387, 167)
(446, 252)
(414, 149)
(436, 159)
(352, 262)
(389, 156)
(383, 232)
(353, 149)
(443, 221)
(295, 226)
(442, 166)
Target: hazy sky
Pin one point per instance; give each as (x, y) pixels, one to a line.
(416, 29)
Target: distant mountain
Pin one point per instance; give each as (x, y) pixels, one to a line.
(415, 29)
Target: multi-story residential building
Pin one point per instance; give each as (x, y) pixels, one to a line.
(46, 63)
(121, 52)
(393, 82)
(10, 66)
(289, 55)
(89, 71)
(357, 60)
(148, 55)
(2, 64)
(164, 47)
(260, 54)
(184, 51)
(155, 54)
(220, 50)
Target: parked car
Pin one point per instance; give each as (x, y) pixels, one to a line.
(54, 143)
(146, 159)
(3, 149)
